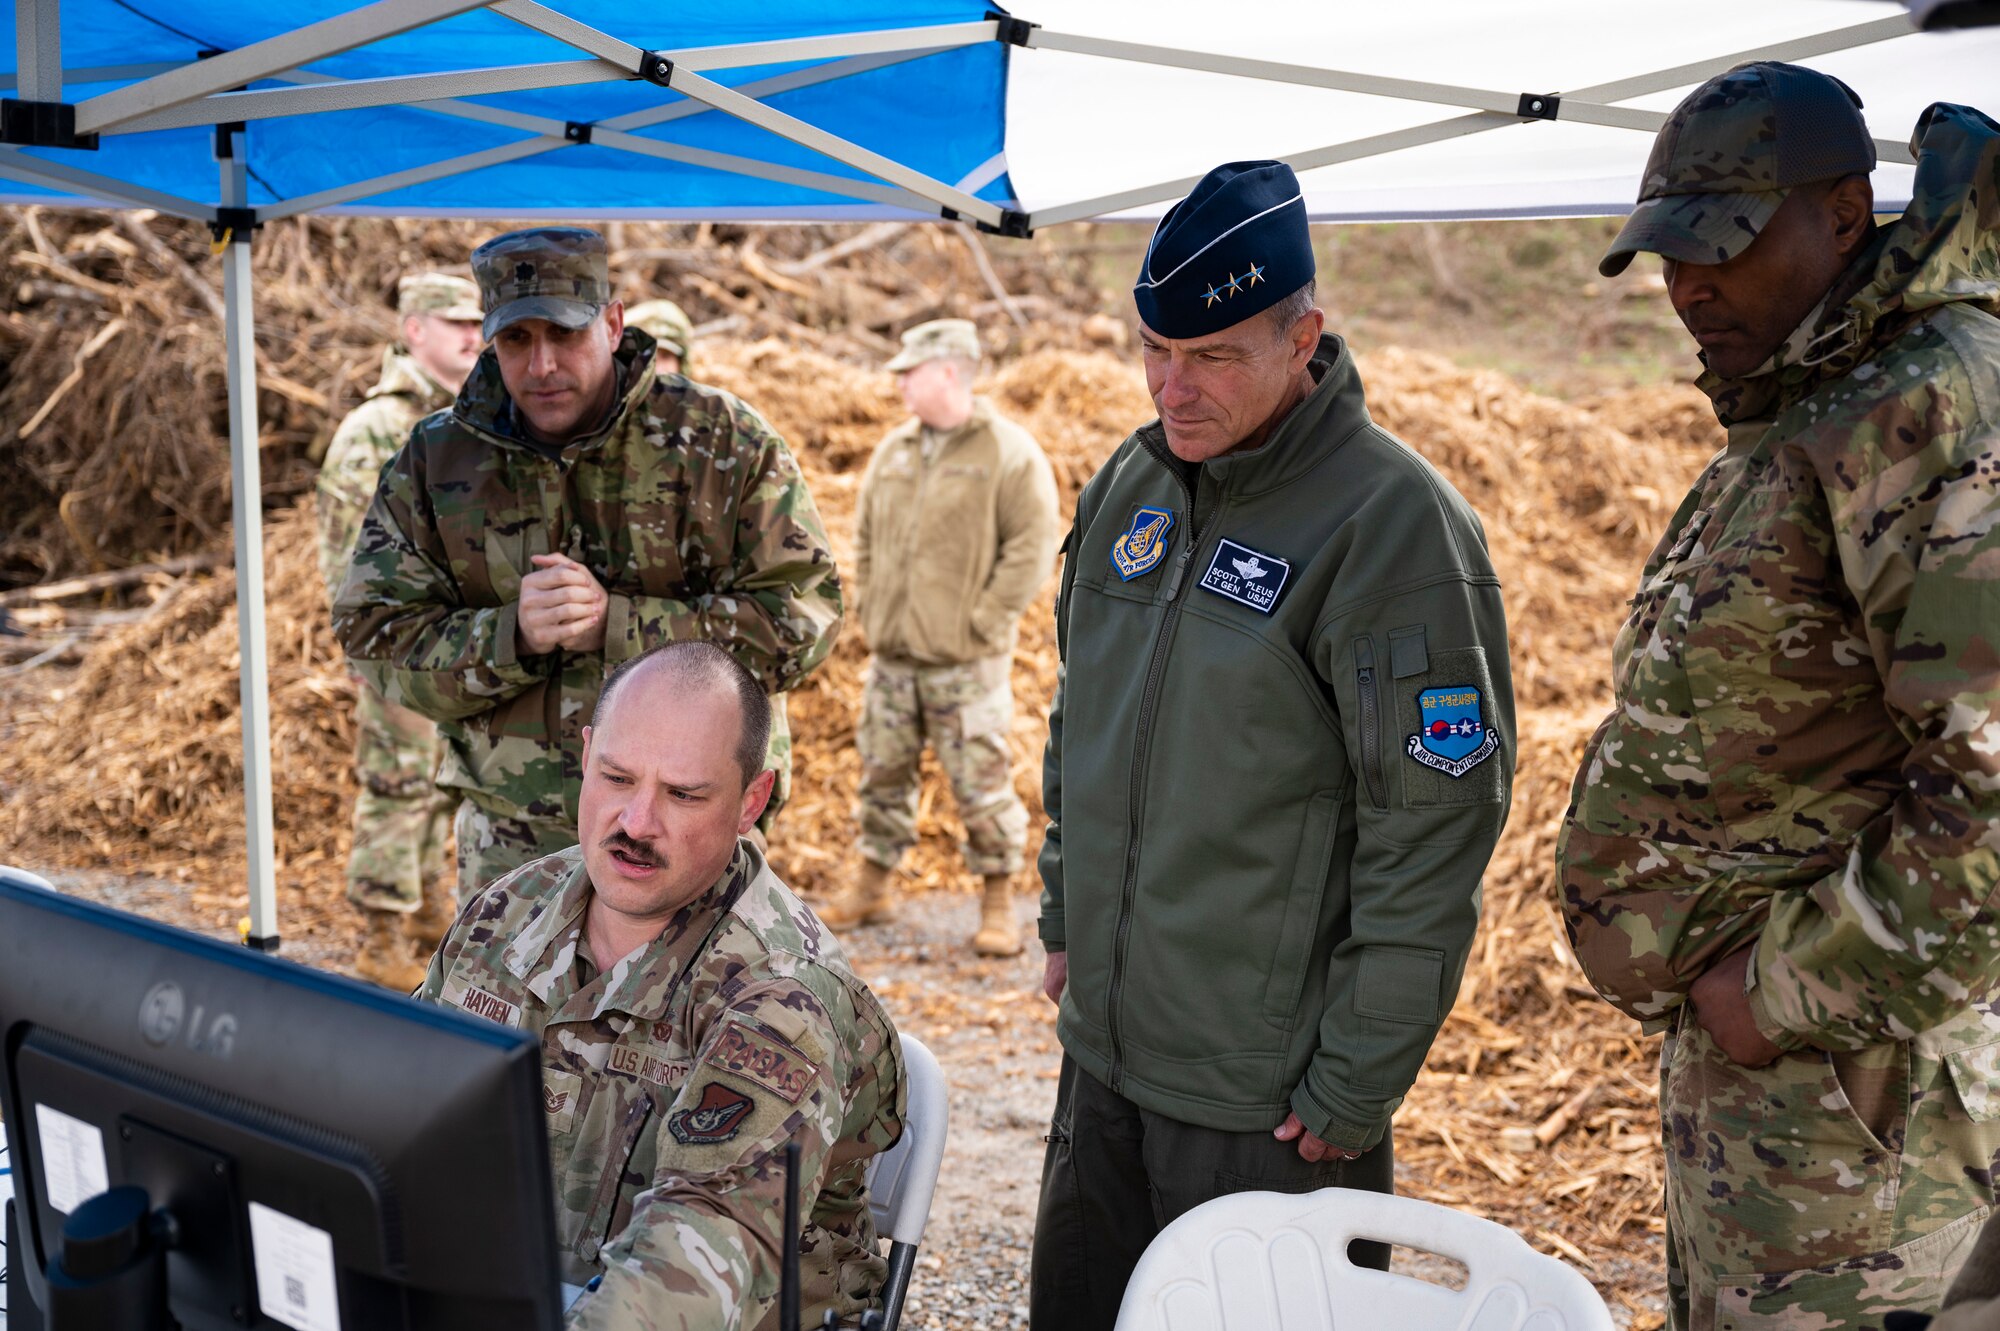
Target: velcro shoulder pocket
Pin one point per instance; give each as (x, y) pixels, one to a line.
(1400, 984)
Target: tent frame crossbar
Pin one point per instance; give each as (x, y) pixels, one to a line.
(1591, 102)
(18, 165)
(553, 135)
(112, 111)
(610, 60)
(97, 74)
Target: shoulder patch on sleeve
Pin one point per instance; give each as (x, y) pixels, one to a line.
(759, 1056)
(716, 1117)
(1449, 739)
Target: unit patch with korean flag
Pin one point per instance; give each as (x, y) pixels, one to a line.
(1246, 576)
(1452, 737)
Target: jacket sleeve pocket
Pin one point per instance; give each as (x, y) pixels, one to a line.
(1400, 984)
(1976, 1073)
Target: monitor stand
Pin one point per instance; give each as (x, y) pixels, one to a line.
(112, 1271)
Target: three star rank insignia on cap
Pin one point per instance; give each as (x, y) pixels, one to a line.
(1218, 291)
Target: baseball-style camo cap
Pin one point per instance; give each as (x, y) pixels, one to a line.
(936, 340)
(1728, 155)
(441, 294)
(666, 321)
(558, 273)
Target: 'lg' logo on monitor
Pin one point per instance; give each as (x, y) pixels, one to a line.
(163, 1014)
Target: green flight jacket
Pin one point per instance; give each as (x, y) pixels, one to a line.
(1269, 815)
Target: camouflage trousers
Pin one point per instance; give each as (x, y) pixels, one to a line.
(1826, 1189)
(401, 818)
(965, 711)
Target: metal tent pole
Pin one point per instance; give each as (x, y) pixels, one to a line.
(246, 508)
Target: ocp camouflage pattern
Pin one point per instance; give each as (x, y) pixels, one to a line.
(366, 439)
(400, 817)
(672, 1083)
(966, 712)
(1804, 758)
(686, 506)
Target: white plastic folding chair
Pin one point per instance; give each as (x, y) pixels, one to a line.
(902, 1179)
(1272, 1261)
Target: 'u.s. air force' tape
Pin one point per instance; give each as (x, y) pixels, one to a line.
(1454, 737)
(1246, 576)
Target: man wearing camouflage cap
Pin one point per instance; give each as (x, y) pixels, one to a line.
(1781, 846)
(401, 818)
(570, 510)
(954, 534)
(673, 334)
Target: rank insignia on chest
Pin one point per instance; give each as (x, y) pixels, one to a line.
(560, 1093)
(1454, 737)
(1144, 542)
(716, 1118)
(1247, 577)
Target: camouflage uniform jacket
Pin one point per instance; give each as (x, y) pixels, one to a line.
(1805, 748)
(361, 447)
(950, 549)
(672, 1083)
(685, 505)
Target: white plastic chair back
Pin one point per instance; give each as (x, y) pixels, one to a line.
(1272, 1261)
(902, 1179)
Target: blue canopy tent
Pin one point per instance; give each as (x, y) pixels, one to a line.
(239, 112)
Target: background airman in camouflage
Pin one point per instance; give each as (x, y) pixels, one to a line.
(955, 532)
(673, 334)
(570, 510)
(1782, 843)
(677, 985)
(401, 818)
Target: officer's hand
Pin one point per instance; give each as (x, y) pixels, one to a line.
(1723, 1010)
(1055, 976)
(562, 605)
(1311, 1148)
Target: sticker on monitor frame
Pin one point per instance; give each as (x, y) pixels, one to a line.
(1246, 576)
(1454, 737)
(73, 1165)
(295, 1276)
(1143, 544)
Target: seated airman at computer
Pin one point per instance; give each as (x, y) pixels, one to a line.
(694, 1017)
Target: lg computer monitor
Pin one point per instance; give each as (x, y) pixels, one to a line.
(314, 1154)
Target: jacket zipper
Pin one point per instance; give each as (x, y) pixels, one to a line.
(1141, 746)
(1371, 722)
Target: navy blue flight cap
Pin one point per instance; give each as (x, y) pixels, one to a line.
(1234, 247)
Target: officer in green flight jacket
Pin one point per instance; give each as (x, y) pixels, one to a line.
(1280, 754)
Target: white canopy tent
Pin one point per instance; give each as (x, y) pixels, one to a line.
(582, 109)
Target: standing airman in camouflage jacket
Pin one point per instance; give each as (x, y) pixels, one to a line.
(1782, 844)
(954, 533)
(401, 818)
(569, 511)
(694, 1017)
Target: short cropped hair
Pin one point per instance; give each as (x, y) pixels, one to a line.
(697, 665)
(1294, 307)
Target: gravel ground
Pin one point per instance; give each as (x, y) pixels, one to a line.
(992, 1033)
